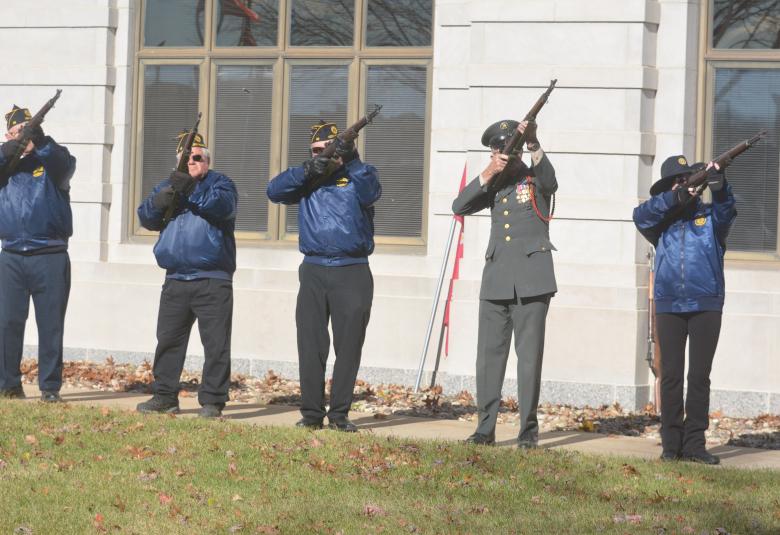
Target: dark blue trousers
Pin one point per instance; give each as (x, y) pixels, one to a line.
(45, 278)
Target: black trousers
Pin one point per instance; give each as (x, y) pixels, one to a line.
(210, 301)
(682, 431)
(342, 295)
(45, 278)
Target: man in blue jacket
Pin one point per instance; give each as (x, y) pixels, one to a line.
(336, 222)
(690, 241)
(35, 224)
(198, 251)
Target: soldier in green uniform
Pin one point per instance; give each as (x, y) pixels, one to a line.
(518, 279)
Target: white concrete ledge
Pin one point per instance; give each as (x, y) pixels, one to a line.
(564, 11)
(58, 14)
(568, 76)
(59, 75)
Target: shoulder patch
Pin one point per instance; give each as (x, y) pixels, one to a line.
(38, 171)
(700, 221)
(341, 182)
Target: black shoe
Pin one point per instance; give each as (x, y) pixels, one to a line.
(16, 392)
(211, 410)
(309, 423)
(50, 396)
(158, 404)
(342, 424)
(527, 444)
(480, 439)
(703, 457)
(668, 456)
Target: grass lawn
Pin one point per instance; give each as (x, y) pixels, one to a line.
(70, 469)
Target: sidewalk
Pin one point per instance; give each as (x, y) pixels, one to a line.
(427, 428)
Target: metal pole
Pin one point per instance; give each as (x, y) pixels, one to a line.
(435, 305)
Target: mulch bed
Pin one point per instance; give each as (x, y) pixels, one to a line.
(383, 400)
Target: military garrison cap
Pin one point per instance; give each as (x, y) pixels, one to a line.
(672, 168)
(182, 137)
(323, 131)
(17, 115)
(498, 132)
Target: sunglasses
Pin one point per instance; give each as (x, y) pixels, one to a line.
(197, 158)
(317, 150)
(498, 142)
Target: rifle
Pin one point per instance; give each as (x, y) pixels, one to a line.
(24, 139)
(653, 356)
(183, 167)
(698, 179)
(348, 135)
(515, 143)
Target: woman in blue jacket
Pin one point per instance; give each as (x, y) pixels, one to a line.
(690, 241)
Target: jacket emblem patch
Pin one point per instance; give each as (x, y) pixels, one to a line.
(700, 221)
(341, 182)
(38, 171)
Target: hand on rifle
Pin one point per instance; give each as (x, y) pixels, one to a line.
(9, 148)
(345, 150)
(497, 164)
(314, 168)
(716, 178)
(36, 135)
(531, 141)
(163, 198)
(182, 183)
(683, 193)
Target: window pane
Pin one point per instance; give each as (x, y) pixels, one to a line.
(316, 92)
(170, 105)
(322, 22)
(173, 23)
(399, 22)
(395, 144)
(247, 22)
(746, 24)
(242, 140)
(746, 101)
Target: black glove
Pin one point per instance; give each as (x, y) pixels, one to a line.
(682, 194)
(182, 183)
(716, 179)
(163, 198)
(9, 148)
(315, 167)
(36, 135)
(345, 150)
(531, 141)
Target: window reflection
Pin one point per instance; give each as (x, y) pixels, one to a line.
(173, 23)
(322, 22)
(247, 22)
(399, 22)
(746, 24)
(746, 101)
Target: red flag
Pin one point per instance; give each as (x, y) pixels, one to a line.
(455, 268)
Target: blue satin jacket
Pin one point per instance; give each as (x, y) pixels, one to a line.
(35, 204)
(199, 242)
(689, 250)
(336, 220)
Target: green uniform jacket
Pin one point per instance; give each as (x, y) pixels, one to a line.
(518, 260)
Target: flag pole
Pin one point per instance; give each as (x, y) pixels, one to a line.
(436, 297)
(435, 304)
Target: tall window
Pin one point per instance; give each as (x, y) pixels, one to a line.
(742, 59)
(263, 71)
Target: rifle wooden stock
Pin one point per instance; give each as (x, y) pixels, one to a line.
(24, 139)
(515, 143)
(348, 135)
(699, 178)
(182, 166)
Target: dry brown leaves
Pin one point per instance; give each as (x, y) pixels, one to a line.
(383, 400)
